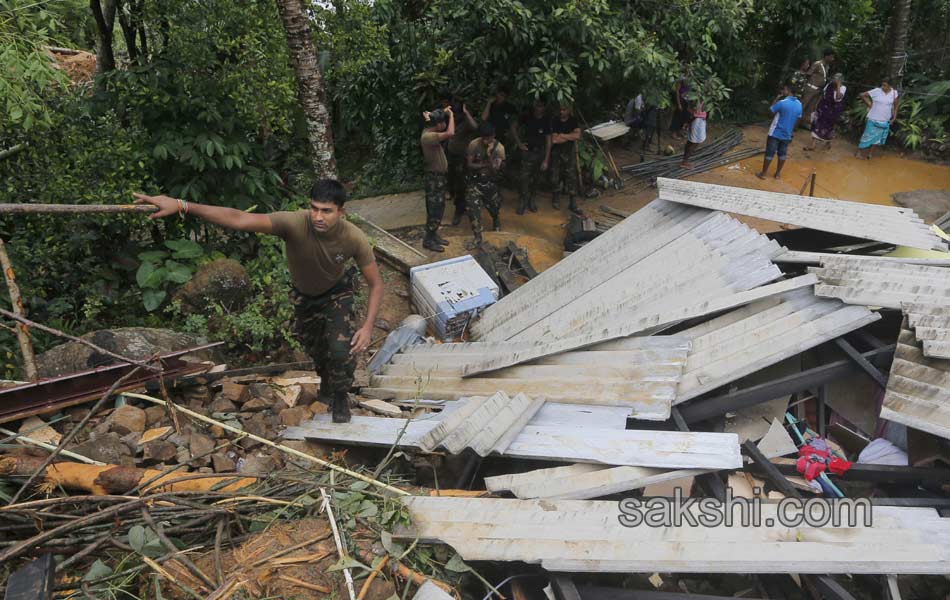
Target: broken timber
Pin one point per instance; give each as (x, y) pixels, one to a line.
(639, 373)
(715, 255)
(611, 446)
(895, 225)
(391, 249)
(878, 283)
(918, 389)
(585, 536)
(583, 480)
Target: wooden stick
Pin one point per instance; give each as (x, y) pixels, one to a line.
(46, 446)
(22, 333)
(347, 576)
(369, 580)
(280, 447)
(73, 209)
(73, 338)
(310, 586)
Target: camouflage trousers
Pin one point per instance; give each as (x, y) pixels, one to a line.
(324, 326)
(481, 190)
(564, 171)
(456, 181)
(436, 185)
(530, 174)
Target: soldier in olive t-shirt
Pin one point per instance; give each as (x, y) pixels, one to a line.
(319, 243)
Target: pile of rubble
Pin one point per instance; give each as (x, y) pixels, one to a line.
(678, 361)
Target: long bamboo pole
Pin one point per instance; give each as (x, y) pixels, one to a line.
(75, 209)
(22, 332)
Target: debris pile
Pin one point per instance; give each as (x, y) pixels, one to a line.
(678, 367)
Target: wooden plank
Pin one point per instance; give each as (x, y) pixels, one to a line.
(673, 450)
(579, 484)
(391, 249)
(625, 328)
(866, 221)
(584, 536)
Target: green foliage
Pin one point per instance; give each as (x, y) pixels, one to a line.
(28, 75)
(160, 269)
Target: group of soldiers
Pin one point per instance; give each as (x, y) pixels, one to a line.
(466, 158)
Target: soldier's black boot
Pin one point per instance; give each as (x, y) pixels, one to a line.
(521, 206)
(457, 218)
(440, 240)
(573, 204)
(341, 408)
(430, 244)
(531, 205)
(556, 200)
(496, 223)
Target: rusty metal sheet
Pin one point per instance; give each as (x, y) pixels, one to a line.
(56, 393)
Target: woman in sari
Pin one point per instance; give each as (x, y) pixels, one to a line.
(829, 110)
(882, 111)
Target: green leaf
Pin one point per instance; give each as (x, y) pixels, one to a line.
(152, 255)
(457, 565)
(347, 562)
(368, 509)
(153, 299)
(137, 538)
(98, 570)
(145, 271)
(185, 249)
(177, 272)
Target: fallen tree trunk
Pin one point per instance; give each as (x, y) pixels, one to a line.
(115, 479)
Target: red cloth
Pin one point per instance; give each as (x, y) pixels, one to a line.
(812, 462)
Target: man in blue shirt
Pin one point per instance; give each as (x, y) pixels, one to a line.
(787, 110)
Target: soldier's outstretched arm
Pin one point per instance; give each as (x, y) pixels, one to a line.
(230, 218)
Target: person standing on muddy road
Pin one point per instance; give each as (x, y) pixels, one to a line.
(319, 242)
(535, 155)
(565, 132)
(438, 126)
(485, 160)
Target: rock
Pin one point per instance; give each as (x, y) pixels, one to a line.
(158, 451)
(382, 407)
(222, 281)
(315, 449)
(133, 441)
(108, 448)
(258, 464)
(291, 417)
(200, 445)
(154, 415)
(319, 408)
(37, 429)
(221, 404)
(127, 419)
(217, 431)
(222, 463)
(256, 405)
(262, 391)
(198, 393)
(154, 434)
(257, 425)
(290, 395)
(133, 342)
(235, 392)
(205, 470)
(182, 456)
(383, 324)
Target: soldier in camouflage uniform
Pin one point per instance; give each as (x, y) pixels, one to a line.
(565, 133)
(436, 130)
(319, 242)
(535, 150)
(485, 159)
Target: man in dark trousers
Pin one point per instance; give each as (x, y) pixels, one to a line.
(818, 76)
(436, 129)
(466, 129)
(319, 242)
(535, 154)
(564, 135)
(786, 111)
(486, 159)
